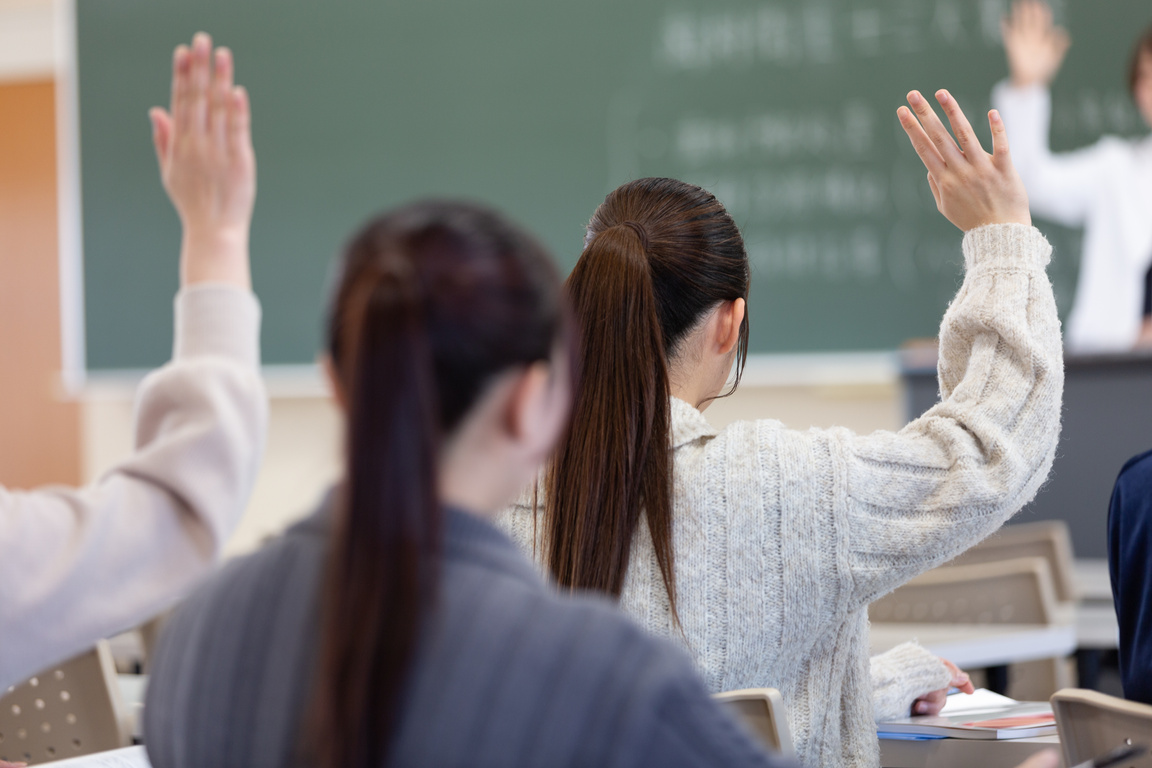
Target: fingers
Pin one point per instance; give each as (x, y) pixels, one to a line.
(1000, 153)
(963, 683)
(1042, 15)
(161, 133)
(221, 96)
(962, 129)
(199, 80)
(929, 703)
(239, 122)
(920, 142)
(181, 86)
(933, 127)
(1030, 15)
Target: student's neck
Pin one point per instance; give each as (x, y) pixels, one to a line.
(696, 390)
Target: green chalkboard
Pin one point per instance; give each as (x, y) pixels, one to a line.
(785, 109)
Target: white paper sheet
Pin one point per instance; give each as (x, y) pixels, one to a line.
(983, 700)
(129, 757)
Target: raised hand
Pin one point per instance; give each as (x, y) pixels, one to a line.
(972, 188)
(204, 147)
(1035, 46)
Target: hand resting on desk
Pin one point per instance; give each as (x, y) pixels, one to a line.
(932, 703)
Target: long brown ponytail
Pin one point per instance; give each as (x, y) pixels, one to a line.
(433, 301)
(659, 254)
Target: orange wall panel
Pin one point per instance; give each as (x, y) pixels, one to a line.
(39, 431)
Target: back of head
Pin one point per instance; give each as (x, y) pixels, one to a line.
(433, 301)
(659, 255)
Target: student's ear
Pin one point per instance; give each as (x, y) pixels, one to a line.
(333, 381)
(537, 408)
(731, 316)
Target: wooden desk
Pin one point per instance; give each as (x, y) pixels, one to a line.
(962, 753)
(976, 646)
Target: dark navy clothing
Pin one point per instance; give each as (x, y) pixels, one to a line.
(1130, 563)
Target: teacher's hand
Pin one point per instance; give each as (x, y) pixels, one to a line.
(204, 147)
(972, 188)
(1034, 45)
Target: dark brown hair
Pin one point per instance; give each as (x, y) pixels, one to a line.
(659, 254)
(1143, 47)
(433, 301)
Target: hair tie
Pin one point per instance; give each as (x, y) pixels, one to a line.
(640, 233)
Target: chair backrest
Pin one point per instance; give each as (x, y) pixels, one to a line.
(1048, 539)
(762, 709)
(1092, 723)
(69, 709)
(1017, 591)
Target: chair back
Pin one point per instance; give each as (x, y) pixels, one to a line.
(762, 710)
(1048, 539)
(1017, 591)
(1091, 723)
(67, 710)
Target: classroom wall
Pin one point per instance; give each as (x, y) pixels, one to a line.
(304, 436)
(41, 427)
(76, 440)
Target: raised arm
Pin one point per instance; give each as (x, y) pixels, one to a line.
(80, 564)
(916, 498)
(1061, 187)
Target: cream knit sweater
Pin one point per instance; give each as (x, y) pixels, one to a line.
(78, 564)
(782, 538)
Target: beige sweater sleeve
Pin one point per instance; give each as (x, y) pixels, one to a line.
(80, 564)
(902, 675)
(918, 497)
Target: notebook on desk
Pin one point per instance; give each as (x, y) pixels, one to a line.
(129, 757)
(983, 715)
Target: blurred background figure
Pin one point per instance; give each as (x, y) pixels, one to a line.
(1105, 188)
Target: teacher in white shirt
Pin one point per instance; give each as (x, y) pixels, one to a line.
(1105, 188)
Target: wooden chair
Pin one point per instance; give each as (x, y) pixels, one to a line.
(1091, 723)
(762, 709)
(1017, 591)
(1048, 539)
(67, 710)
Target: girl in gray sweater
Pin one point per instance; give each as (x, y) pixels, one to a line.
(760, 547)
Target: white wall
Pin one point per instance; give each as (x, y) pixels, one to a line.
(27, 44)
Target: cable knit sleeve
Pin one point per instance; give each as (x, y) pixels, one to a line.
(918, 497)
(81, 564)
(902, 675)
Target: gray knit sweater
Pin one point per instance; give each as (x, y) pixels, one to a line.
(508, 672)
(782, 537)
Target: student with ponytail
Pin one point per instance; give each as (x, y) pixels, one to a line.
(758, 547)
(397, 626)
